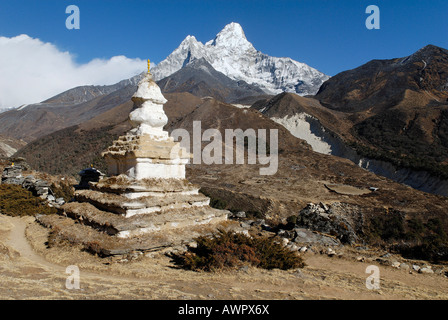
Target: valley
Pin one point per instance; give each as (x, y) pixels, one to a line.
(361, 174)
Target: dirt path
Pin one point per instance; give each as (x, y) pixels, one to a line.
(17, 240)
(30, 270)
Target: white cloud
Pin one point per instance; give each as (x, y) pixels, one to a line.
(32, 71)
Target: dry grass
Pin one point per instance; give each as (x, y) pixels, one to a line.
(42, 276)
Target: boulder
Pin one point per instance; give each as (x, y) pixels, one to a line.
(240, 214)
(384, 262)
(404, 266)
(305, 236)
(327, 220)
(289, 234)
(330, 252)
(245, 225)
(427, 270)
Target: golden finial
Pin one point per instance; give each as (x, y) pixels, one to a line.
(149, 66)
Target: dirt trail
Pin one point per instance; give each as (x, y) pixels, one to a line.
(30, 270)
(17, 240)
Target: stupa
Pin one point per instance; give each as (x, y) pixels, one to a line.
(146, 202)
(147, 152)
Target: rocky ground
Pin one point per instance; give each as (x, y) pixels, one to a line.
(30, 270)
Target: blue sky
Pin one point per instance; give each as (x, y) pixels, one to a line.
(329, 35)
(117, 36)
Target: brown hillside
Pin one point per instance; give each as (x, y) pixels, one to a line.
(392, 110)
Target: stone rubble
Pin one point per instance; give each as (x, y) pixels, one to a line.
(40, 188)
(327, 219)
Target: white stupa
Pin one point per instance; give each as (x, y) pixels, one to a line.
(147, 151)
(145, 203)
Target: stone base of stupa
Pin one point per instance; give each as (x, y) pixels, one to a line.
(88, 229)
(118, 215)
(134, 207)
(125, 212)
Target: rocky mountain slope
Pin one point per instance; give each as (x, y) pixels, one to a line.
(382, 84)
(233, 55)
(331, 132)
(398, 108)
(199, 78)
(9, 146)
(388, 116)
(80, 145)
(307, 119)
(67, 109)
(227, 68)
(86, 93)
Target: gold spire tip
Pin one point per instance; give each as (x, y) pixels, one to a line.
(149, 66)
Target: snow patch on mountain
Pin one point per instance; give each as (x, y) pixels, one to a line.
(233, 55)
(300, 126)
(241, 106)
(7, 149)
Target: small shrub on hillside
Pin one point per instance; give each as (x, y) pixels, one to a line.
(16, 201)
(292, 220)
(254, 214)
(227, 250)
(413, 238)
(63, 190)
(388, 227)
(215, 202)
(218, 204)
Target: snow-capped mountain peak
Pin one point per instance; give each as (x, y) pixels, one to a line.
(232, 54)
(234, 29)
(231, 36)
(188, 41)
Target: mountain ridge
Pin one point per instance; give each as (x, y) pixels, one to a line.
(201, 79)
(233, 55)
(389, 116)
